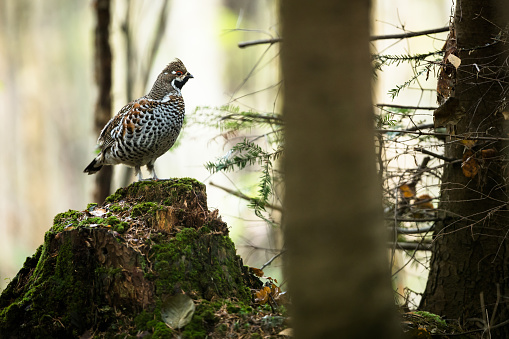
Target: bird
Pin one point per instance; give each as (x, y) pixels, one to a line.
(147, 127)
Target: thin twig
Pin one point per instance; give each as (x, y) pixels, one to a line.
(375, 37)
(409, 34)
(413, 219)
(412, 246)
(438, 156)
(272, 259)
(406, 131)
(259, 42)
(458, 137)
(429, 108)
(414, 230)
(245, 197)
(420, 127)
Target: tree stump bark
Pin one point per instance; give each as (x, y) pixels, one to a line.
(112, 267)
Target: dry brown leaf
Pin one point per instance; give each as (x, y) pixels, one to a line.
(489, 153)
(505, 114)
(469, 143)
(262, 296)
(424, 202)
(256, 271)
(407, 191)
(469, 166)
(454, 60)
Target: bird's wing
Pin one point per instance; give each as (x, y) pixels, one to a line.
(124, 121)
(113, 127)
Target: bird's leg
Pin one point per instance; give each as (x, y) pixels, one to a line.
(151, 168)
(137, 171)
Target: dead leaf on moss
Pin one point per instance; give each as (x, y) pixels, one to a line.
(178, 310)
(470, 166)
(98, 212)
(286, 332)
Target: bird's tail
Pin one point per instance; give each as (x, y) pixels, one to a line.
(94, 166)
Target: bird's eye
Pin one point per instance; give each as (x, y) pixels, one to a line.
(179, 73)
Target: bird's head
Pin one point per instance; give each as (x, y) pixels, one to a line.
(172, 78)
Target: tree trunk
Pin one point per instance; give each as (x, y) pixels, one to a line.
(103, 71)
(337, 267)
(468, 276)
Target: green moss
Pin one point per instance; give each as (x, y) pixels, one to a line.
(117, 208)
(116, 224)
(92, 220)
(143, 208)
(202, 323)
(433, 318)
(161, 331)
(115, 196)
(63, 220)
(91, 206)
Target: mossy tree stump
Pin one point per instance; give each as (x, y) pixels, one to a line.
(110, 268)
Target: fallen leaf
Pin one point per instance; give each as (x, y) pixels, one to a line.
(454, 60)
(99, 212)
(286, 332)
(506, 115)
(178, 310)
(469, 166)
(407, 191)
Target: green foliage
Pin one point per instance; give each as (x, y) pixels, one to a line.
(395, 91)
(248, 152)
(420, 62)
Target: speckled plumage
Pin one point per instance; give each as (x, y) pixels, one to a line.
(145, 128)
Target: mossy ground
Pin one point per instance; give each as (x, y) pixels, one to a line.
(422, 324)
(104, 271)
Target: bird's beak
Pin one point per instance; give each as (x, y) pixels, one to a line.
(189, 76)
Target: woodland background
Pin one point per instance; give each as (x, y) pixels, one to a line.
(48, 94)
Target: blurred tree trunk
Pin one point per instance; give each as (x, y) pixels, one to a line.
(469, 273)
(337, 268)
(103, 79)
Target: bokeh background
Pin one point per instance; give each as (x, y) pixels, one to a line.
(47, 95)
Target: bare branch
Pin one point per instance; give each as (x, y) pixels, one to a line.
(272, 259)
(245, 197)
(407, 107)
(259, 42)
(375, 37)
(412, 246)
(410, 34)
(413, 219)
(438, 156)
(401, 230)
